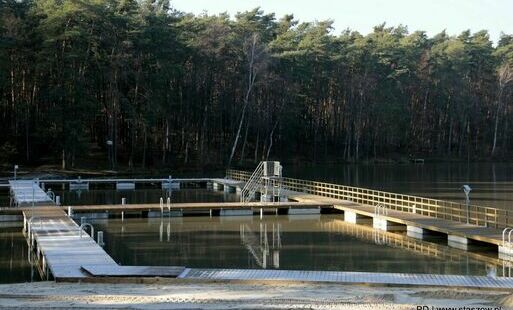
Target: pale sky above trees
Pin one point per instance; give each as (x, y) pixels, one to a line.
(432, 16)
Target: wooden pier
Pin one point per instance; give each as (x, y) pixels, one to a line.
(28, 192)
(347, 277)
(418, 216)
(66, 252)
(314, 207)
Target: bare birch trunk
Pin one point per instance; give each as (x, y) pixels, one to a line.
(252, 73)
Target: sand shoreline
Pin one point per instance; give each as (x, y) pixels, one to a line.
(226, 295)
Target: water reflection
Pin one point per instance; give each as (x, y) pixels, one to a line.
(258, 245)
(142, 195)
(491, 182)
(17, 263)
(286, 242)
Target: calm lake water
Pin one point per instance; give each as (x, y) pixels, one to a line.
(492, 184)
(14, 260)
(322, 242)
(146, 195)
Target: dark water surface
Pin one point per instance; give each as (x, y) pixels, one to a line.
(14, 257)
(492, 184)
(317, 242)
(323, 243)
(142, 195)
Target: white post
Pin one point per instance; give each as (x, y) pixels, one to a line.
(70, 212)
(58, 200)
(100, 238)
(161, 206)
(168, 202)
(261, 213)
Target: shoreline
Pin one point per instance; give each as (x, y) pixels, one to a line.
(242, 295)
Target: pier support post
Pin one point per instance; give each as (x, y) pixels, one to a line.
(229, 189)
(458, 242)
(355, 218)
(416, 232)
(382, 224)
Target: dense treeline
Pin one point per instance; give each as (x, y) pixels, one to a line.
(136, 83)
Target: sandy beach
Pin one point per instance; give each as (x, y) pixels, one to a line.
(247, 295)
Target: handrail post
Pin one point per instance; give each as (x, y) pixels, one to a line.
(82, 229)
(504, 235)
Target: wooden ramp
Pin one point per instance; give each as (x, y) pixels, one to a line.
(28, 192)
(347, 277)
(133, 271)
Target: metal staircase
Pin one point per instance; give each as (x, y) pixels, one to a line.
(253, 184)
(266, 179)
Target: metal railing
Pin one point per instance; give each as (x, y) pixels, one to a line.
(478, 215)
(252, 183)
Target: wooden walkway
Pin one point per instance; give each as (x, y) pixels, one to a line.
(474, 232)
(206, 206)
(27, 192)
(59, 245)
(131, 271)
(347, 277)
(69, 255)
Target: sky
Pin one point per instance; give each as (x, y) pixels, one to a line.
(432, 16)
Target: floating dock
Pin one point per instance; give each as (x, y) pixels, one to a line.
(28, 192)
(346, 277)
(66, 252)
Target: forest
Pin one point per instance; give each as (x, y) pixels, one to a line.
(127, 84)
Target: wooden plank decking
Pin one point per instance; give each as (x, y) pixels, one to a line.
(479, 233)
(201, 206)
(71, 256)
(60, 245)
(347, 277)
(131, 271)
(26, 192)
